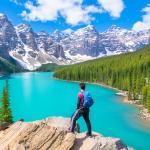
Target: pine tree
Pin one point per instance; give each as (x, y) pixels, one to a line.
(6, 111)
(148, 99)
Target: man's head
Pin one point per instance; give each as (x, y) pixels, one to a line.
(82, 86)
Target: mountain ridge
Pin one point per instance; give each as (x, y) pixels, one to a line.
(31, 49)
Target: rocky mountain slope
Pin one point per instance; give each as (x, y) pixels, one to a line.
(7, 67)
(52, 134)
(31, 49)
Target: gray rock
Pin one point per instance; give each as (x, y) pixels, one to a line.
(8, 37)
(27, 35)
(52, 134)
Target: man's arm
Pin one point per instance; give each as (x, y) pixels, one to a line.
(78, 103)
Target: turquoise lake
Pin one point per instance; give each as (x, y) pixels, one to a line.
(36, 96)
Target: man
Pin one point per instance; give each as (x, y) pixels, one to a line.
(84, 102)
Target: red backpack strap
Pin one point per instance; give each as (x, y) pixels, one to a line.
(81, 97)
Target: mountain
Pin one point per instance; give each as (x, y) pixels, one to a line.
(31, 49)
(117, 40)
(36, 48)
(84, 41)
(8, 37)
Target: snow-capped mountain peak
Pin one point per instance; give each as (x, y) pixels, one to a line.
(116, 29)
(90, 29)
(23, 28)
(31, 49)
(43, 33)
(68, 31)
(2, 16)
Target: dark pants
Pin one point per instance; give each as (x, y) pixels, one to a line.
(77, 114)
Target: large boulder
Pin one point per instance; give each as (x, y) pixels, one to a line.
(52, 134)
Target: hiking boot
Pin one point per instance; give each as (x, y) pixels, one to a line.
(89, 134)
(69, 131)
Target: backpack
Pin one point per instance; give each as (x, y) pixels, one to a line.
(88, 100)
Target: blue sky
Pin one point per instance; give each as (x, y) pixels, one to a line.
(50, 15)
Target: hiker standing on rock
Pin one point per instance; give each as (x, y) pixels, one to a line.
(85, 101)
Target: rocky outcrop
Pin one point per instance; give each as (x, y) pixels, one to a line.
(84, 41)
(27, 36)
(52, 134)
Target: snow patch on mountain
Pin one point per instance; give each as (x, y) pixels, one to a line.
(31, 49)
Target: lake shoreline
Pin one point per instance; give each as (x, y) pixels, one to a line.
(143, 114)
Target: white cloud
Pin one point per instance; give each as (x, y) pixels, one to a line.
(145, 23)
(16, 2)
(113, 7)
(73, 11)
